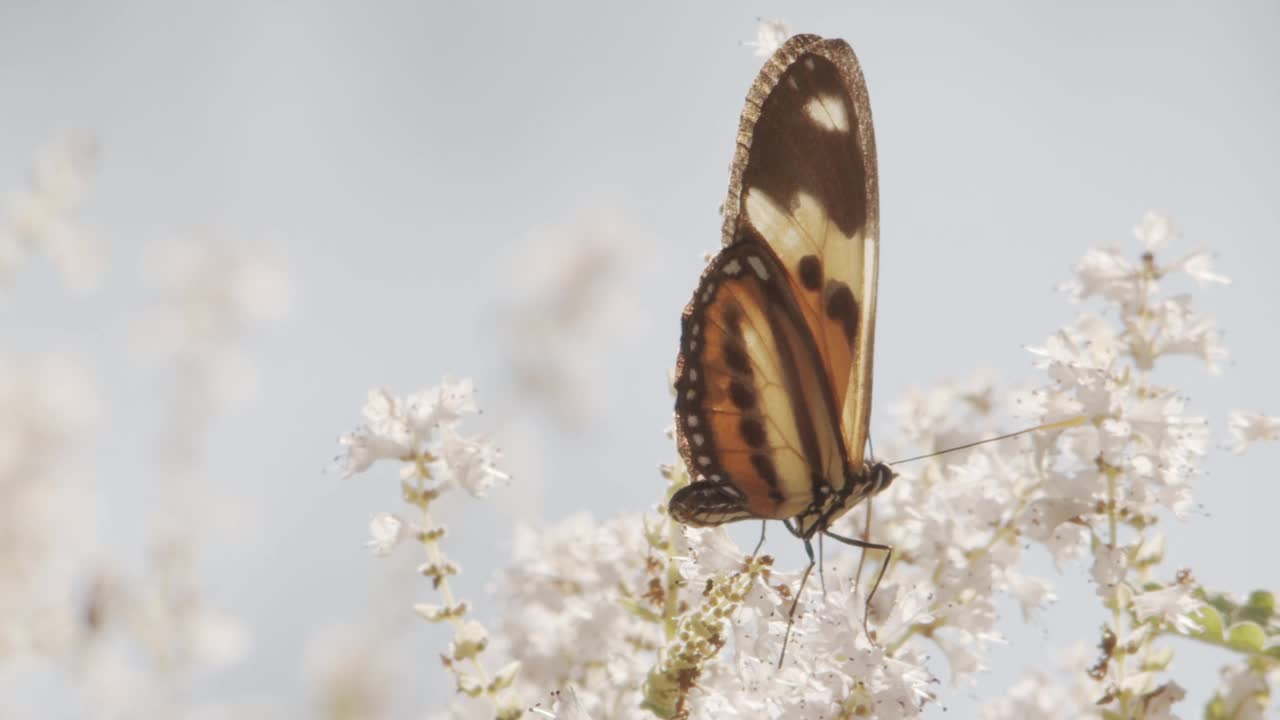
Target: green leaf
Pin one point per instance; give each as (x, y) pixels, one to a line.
(1210, 624)
(1260, 608)
(1263, 599)
(1215, 710)
(1222, 604)
(1246, 636)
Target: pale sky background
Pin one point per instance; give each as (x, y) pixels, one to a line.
(394, 153)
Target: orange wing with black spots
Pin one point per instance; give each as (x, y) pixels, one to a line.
(755, 420)
(803, 204)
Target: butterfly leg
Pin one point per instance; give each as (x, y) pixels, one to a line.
(888, 549)
(822, 575)
(763, 525)
(791, 616)
(866, 533)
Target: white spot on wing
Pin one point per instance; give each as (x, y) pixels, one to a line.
(828, 113)
(692, 421)
(758, 265)
(698, 439)
(704, 460)
(732, 268)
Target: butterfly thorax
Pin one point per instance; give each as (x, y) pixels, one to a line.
(829, 506)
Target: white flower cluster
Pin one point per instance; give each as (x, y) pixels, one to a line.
(49, 408)
(421, 431)
(638, 617)
(570, 591)
(209, 294)
(830, 661)
(565, 302)
(38, 217)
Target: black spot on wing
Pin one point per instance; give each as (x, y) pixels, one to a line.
(742, 396)
(736, 358)
(810, 271)
(752, 432)
(764, 466)
(733, 318)
(842, 308)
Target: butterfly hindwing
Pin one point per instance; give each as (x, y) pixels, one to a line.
(752, 410)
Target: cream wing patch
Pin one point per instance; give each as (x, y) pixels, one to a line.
(828, 113)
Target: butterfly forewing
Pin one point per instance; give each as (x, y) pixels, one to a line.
(786, 311)
(805, 184)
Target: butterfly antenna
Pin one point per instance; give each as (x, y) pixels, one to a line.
(1060, 425)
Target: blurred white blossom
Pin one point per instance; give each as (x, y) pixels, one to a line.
(39, 218)
(568, 298)
(1248, 428)
(209, 295)
(386, 530)
(49, 410)
(351, 672)
(770, 35)
(1174, 605)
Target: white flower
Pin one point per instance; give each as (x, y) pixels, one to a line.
(565, 707)
(1109, 274)
(385, 437)
(1248, 428)
(770, 35)
(469, 640)
(386, 530)
(1035, 696)
(1109, 567)
(218, 638)
(401, 429)
(1181, 331)
(1198, 265)
(1173, 605)
(1154, 231)
(441, 406)
(707, 552)
(1158, 704)
(470, 462)
(1243, 692)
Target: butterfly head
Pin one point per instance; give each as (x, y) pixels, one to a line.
(880, 475)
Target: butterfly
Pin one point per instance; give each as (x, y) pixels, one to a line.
(773, 379)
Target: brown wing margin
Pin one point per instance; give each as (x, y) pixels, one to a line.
(778, 157)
